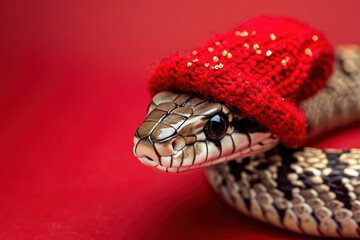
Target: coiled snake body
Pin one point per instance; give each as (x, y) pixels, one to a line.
(309, 190)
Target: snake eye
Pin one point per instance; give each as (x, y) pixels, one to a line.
(216, 127)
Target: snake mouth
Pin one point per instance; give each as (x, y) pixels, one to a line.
(165, 164)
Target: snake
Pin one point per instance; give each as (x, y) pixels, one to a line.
(305, 190)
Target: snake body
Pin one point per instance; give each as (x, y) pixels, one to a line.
(308, 190)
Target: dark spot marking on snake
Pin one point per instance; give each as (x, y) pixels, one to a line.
(262, 166)
(334, 180)
(281, 213)
(309, 173)
(305, 179)
(237, 168)
(284, 183)
(223, 182)
(247, 203)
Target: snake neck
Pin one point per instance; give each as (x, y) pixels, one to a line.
(338, 103)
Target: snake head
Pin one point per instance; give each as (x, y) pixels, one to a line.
(182, 132)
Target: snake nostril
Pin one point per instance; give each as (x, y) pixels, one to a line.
(150, 159)
(173, 144)
(177, 144)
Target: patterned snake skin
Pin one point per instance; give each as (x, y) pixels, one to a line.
(310, 191)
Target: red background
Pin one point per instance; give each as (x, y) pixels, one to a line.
(72, 92)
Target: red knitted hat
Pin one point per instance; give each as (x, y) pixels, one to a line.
(264, 69)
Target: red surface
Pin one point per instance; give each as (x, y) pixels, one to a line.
(73, 90)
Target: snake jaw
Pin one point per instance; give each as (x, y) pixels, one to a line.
(173, 136)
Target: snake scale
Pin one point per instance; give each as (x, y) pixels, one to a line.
(310, 191)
